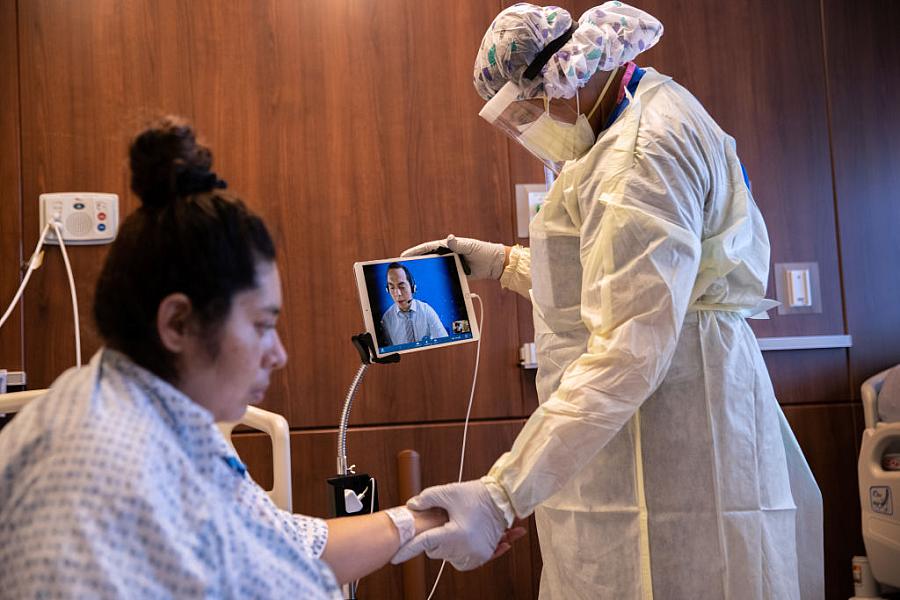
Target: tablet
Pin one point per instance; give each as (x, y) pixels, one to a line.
(415, 303)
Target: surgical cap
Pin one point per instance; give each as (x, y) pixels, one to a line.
(607, 36)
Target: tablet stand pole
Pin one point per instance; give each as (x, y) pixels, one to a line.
(346, 480)
(366, 348)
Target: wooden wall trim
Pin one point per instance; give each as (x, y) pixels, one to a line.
(804, 342)
(12, 352)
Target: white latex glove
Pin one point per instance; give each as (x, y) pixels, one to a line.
(469, 538)
(485, 259)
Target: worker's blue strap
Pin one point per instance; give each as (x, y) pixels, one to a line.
(632, 88)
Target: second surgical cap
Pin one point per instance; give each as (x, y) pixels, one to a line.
(605, 37)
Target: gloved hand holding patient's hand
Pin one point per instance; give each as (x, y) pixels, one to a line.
(429, 519)
(474, 534)
(486, 260)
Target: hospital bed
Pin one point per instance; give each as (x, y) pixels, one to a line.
(879, 486)
(276, 427)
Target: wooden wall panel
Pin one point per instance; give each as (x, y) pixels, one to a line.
(374, 451)
(829, 436)
(329, 119)
(11, 253)
(808, 376)
(404, 159)
(863, 61)
(91, 75)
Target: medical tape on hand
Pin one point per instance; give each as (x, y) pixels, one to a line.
(404, 521)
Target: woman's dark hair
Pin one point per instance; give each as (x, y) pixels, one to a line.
(188, 236)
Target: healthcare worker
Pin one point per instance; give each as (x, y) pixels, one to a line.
(659, 463)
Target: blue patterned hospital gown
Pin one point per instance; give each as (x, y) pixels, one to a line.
(116, 485)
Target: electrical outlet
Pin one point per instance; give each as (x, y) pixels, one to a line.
(797, 288)
(83, 217)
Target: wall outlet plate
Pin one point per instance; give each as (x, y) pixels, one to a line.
(84, 217)
(797, 288)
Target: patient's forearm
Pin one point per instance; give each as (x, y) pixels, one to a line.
(359, 545)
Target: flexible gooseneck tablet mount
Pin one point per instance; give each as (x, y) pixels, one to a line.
(355, 493)
(366, 348)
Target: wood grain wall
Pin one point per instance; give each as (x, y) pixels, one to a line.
(352, 128)
(11, 338)
(862, 62)
(863, 65)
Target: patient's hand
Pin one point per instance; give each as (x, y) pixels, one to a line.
(509, 537)
(473, 534)
(429, 519)
(437, 517)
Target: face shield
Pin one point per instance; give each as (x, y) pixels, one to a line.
(551, 129)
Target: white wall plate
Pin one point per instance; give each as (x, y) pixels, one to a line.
(84, 217)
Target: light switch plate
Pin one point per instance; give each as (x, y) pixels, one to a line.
(85, 217)
(799, 291)
(797, 288)
(529, 197)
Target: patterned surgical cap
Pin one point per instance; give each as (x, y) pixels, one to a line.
(607, 37)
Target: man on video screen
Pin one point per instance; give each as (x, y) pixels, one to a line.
(408, 320)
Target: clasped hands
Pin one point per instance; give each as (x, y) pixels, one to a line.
(475, 533)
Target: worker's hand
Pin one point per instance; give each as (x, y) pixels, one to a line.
(473, 534)
(429, 519)
(486, 260)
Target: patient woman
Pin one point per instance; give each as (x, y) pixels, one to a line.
(117, 482)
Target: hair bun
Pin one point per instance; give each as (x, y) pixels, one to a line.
(197, 181)
(167, 162)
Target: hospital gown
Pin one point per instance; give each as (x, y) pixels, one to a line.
(116, 485)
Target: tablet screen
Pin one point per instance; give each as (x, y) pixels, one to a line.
(415, 303)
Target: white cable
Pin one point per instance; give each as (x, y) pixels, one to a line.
(371, 511)
(33, 261)
(462, 456)
(62, 246)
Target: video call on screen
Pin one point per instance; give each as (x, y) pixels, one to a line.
(416, 306)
